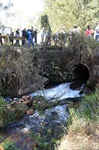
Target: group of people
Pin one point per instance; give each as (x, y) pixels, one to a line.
(29, 37)
(64, 34)
(45, 36)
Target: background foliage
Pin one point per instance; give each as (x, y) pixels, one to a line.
(67, 13)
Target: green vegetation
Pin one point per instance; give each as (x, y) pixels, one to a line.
(67, 13)
(88, 108)
(83, 125)
(82, 128)
(10, 113)
(45, 22)
(44, 139)
(9, 145)
(17, 69)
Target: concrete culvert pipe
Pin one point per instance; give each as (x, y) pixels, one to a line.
(80, 75)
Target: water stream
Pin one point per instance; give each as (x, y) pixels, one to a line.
(59, 92)
(53, 118)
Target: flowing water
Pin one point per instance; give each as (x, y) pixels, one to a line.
(59, 92)
(54, 118)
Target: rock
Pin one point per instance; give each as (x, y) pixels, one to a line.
(38, 83)
(19, 51)
(29, 112)
(26, 100)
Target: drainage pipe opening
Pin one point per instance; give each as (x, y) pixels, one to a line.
(80, 75)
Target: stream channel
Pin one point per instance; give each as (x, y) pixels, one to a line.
(51, 123)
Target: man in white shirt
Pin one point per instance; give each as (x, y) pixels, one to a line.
(97, 33)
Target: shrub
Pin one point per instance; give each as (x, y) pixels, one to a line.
(10, 145)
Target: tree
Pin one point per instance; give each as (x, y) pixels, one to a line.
(5, 11)
(67, 13)
(45, 22)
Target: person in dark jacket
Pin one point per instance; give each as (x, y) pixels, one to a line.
(17, 35)
(1, 43)
(24, 35)
(35, 36)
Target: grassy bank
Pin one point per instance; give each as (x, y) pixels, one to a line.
(83, 132)
(83, 127)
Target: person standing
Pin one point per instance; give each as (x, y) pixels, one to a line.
(11, 40)
(35, 36)
(42, 35)
(32, 33)
(30, 39)
(23, 35)
(64, 35)
(88, 32)
(56, 37)
(96, 34)
(76, 29)
(48, 37)
(17, 35)
(1, 43)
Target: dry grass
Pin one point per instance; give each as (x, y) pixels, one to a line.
(81, 136)
(83, 132)
(18, 69)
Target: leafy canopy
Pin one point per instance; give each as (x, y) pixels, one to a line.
(67, 13)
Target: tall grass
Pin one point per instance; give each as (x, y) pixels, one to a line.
(83, 133)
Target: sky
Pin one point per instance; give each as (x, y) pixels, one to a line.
(27, 8)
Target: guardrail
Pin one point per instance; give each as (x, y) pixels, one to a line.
(8, 38)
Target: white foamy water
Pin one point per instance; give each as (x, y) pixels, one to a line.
(59, 92)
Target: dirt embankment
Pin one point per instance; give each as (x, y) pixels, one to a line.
(24, 70)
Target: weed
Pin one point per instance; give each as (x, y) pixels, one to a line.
(9, 145)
